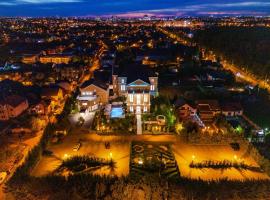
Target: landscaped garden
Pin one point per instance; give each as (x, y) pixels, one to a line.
(153, 158)
(105, 124)
(83, 164)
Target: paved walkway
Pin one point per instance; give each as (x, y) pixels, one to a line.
(139, 124)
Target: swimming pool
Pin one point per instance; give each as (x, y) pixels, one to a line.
(117, 112)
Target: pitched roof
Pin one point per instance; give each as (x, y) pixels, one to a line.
(231, 107)
(14, 100)
(95, 82)
(212, 104)
(134, 72)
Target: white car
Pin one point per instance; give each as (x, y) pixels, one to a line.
(3, 176)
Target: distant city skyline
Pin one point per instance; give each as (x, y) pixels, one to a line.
(133, 8)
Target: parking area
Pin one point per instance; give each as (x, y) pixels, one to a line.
(118, 151)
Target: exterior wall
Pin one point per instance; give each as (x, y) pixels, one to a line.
(7, 111)
(29, 59)
(16, 111)
(115, 84)
(122, 86)
(89, 105)
(69, 74)
(56, 60)
(138, 102)
(153, 86)
(101, 93)
(233, 113)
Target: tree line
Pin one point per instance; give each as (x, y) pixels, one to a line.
(247, 47)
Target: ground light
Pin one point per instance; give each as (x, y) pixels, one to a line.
(65, 156)
(140, 162)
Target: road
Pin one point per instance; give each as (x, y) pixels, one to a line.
(95, 65)
(237, 71)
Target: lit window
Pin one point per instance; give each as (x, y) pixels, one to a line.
(138, 99)
(145, 98)
(131, 97)
(123, 88)
(122, 81)
(131, 109)
(144, 109)
(84, 104)
(152, 87)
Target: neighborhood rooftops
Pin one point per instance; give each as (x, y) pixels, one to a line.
(13, 100)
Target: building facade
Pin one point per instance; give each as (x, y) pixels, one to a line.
(56, 59)
(12, 107)
(94, 94)
(137, 84)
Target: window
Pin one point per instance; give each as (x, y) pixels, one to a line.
(144, 109)
(145, 98)
(122, 81)
(152, 87)
(123, 87)
(138, 99)
(131, 97)
(131, 109)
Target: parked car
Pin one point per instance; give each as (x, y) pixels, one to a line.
(77, 146)
(3, 176)
(235, 146)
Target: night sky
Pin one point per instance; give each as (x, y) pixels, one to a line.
(132, 7)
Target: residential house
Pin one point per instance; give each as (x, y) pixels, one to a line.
(208, 109)
(69, 72)
(12, 106)
(186, 110)
(93, 94)
(137, 83)
(55, 58)
(30, 59)
(232, 109)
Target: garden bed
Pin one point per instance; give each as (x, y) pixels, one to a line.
(153, 158)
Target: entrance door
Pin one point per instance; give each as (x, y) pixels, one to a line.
(138, 109)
